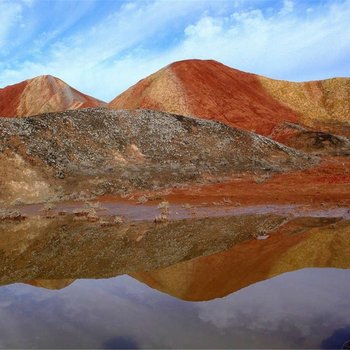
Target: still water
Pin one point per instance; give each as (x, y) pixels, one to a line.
(198, 283)
(303, 309)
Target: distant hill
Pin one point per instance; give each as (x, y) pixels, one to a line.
(41, 95)
(211, 90)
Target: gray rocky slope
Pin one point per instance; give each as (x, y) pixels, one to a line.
(97, 151)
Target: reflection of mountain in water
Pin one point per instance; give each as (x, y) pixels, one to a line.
(192, 259)
(65, 248)
(302, 243)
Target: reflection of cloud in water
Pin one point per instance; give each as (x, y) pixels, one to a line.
(307, 303)
(298, 309)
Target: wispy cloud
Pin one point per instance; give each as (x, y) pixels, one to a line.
(11, 13)
(288, 6)
(102, 50)
(301, 45)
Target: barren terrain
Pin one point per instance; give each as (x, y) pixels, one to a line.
(184, 204)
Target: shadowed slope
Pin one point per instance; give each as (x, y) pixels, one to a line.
(211, 90)
(40, 95)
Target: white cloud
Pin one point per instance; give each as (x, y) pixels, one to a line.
(205, 29)
(290, 306)
(294, 47)
(87, 56)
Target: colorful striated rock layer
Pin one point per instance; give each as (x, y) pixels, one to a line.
(211, 90)
(41, 95)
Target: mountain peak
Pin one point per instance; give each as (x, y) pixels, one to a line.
(44, 93)
(207, 89)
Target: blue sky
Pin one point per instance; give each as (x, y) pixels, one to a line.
(103, 47)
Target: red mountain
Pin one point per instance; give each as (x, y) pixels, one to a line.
(40, 95)
(211, 90)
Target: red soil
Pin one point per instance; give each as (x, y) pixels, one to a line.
(326, 185)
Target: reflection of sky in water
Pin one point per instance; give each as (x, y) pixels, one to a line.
(299, 309)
